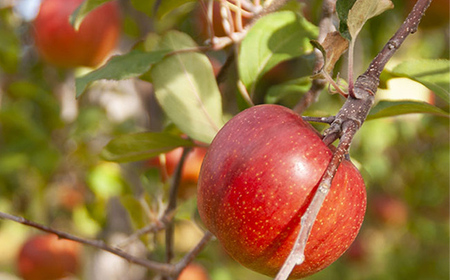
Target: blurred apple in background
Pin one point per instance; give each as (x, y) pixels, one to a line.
(389, 210)
(167, 164)
(193, 271)
(46, 257)
(58, 42)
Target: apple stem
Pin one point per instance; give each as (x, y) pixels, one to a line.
(347, 122)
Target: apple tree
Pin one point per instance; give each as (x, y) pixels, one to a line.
(244, 139)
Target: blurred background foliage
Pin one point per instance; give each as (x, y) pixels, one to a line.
(51, 172)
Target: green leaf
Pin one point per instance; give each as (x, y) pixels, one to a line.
(395, 108)
(105, 180)
(83, 10)
(432, 73)
(342, 8)
(362, 11)
(132, 64)
(167, 6)
(9, 50)
(145, 6)
(135, 211)
(140, 146)
(274, 38)
(294, 88)
(186, 89)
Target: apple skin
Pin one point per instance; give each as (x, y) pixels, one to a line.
(193, 271)
(58, 42)
(257, 179)
(45, 257)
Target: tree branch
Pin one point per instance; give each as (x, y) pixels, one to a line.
(189, 257)
(348, 120)
(169, 270)
(172, 205)
(162, 268)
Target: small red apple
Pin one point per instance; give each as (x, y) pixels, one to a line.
(58, 42)
(193, 272)
(390, 210)
(191, 168)
(46, 257)
(257, 179)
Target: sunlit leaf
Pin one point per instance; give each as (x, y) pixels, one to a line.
(362, 11)
(140, 146)
(186, 89)
(83, 10)
(342, 8)
(274, 38)
(132, 64)
(395, 108)
(432, 73)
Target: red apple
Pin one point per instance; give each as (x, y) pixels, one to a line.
(191, 168)
(257, 179)
(58, 42)
(46, 257)
(390, 210)
(193, 272)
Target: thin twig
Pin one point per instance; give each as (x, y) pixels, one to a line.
(172, 205)
(154, 227)
(328, 120)
(189, 257)
(348, 120)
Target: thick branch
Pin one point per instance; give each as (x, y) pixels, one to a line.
(348, 120)
(360, 101)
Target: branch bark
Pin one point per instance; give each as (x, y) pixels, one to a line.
(347, 122)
